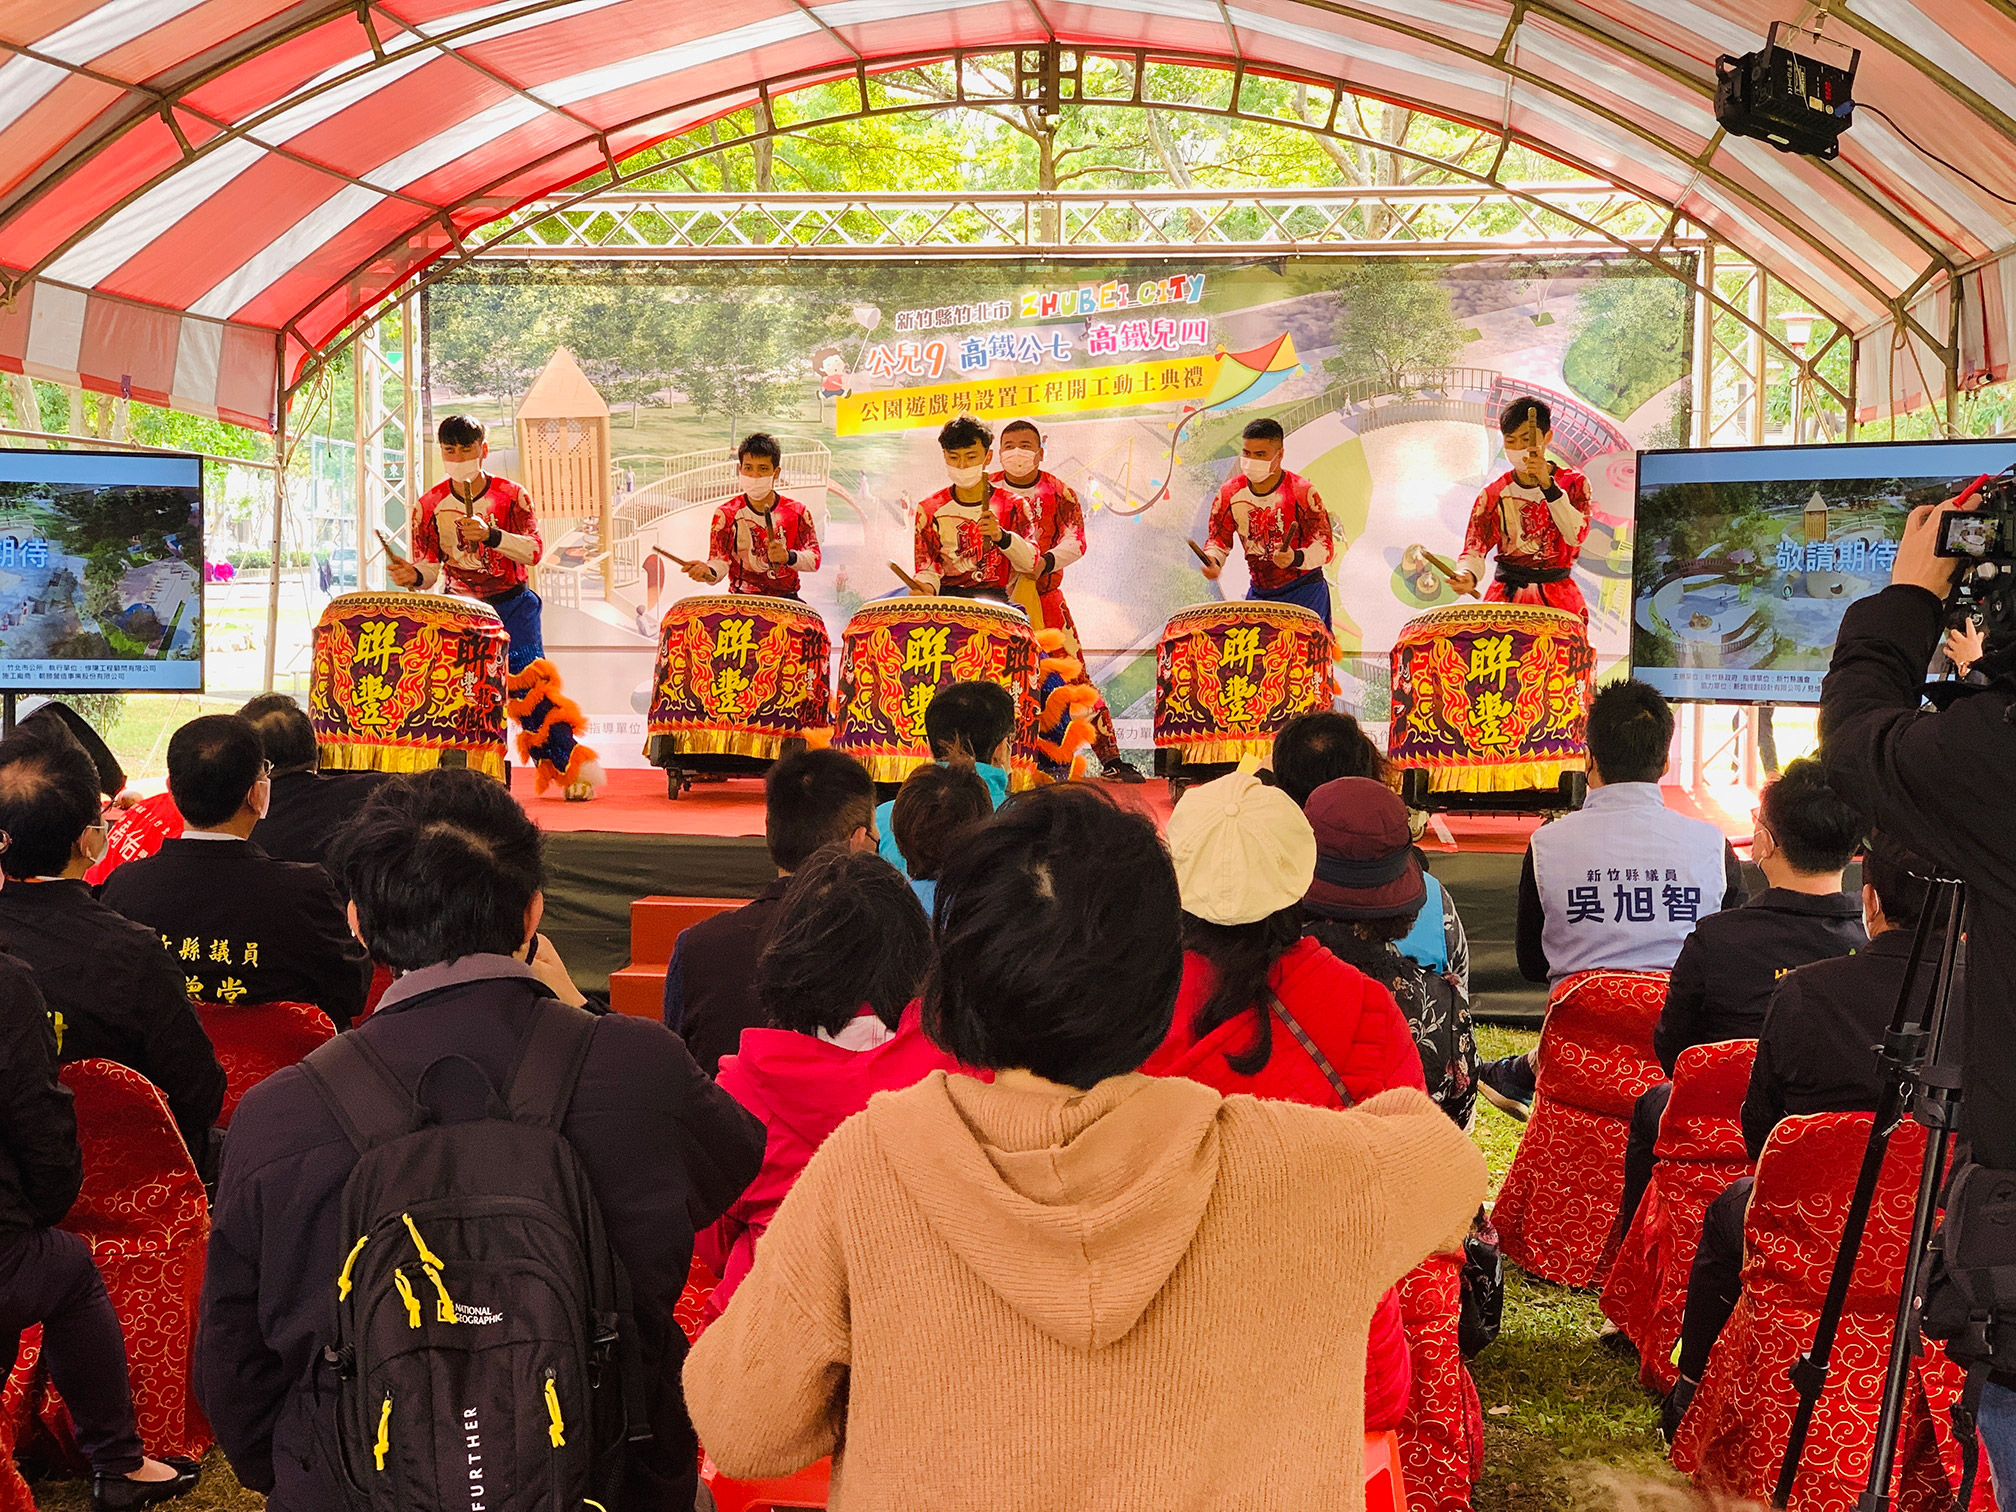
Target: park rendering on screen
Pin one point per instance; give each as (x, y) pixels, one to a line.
(101, 571)
(1746, 558)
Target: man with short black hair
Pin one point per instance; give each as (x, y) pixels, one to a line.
(1535, 518)
(113, 993)
(1621, 883)
(446, 874)
(244, 927)
(309, 805)
(974, 720)
(811, 800)
(759, 541)
(1280, 520)
(972, 538)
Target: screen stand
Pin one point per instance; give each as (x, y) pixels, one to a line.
(7, 702)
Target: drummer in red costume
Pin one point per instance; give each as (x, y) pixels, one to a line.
(1059, 521)
(973, 538)
(760, 540)
(1536, 517)
(481, 535)
(1281, 521)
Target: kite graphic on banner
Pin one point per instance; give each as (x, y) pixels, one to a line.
(1242, 378)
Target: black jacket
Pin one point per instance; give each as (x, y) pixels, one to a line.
(710, 987)
(308, 809)
(1726, 970)
(41, 1163)
(1817, 1050)
(244, 928)
(1529, 932)
(1943, 785)
(665, 1150)
(114, 994)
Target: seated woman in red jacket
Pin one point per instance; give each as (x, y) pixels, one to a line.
(1266, 1011)
(838, 980)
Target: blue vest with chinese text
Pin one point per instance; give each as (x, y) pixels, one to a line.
(1623, 881)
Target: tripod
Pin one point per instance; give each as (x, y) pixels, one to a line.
(1914, 1079)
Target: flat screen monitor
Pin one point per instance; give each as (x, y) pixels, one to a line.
(1747, 557)
(101, 572)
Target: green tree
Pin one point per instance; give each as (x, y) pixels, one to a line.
(1393, 319)
(1631, 340)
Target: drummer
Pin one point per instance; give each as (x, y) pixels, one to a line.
(1280, 520)
(480, 535)
(973, 537)
(1536, 517)
(1059, 522)
(760, 540)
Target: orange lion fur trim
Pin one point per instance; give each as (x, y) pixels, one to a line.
(1069, 701)
(523, 690)
(546, 775)
(1050, 639)
(1067, 667)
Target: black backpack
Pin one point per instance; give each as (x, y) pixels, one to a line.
(485, 1346)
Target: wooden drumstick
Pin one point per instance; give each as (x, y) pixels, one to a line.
(1449, 574)
(1201, 554)
(670, 557)
(908, 581)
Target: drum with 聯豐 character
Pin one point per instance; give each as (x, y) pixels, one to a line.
(741, 680)
(1491, 702)
(1229, 676)
(406, 681)
(898, 652)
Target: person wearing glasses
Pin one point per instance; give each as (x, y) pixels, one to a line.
(241, 926)
(112, 993)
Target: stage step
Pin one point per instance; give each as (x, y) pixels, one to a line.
(655, 926)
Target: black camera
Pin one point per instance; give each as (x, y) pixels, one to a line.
(1984, 539)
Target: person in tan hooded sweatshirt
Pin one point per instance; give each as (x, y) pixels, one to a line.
(1079, 1287)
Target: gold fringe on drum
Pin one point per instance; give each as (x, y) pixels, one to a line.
(345, 756)
(1516, 777)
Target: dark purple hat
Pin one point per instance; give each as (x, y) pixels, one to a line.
(1366, 867)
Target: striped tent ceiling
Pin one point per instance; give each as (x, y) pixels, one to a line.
(196, 195)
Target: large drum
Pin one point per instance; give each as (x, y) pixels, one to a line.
(737, 675)
(1492, 698)
(402, 679)
(897, 653)
(1229, 676)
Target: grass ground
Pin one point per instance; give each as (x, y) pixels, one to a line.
(1566, 1427)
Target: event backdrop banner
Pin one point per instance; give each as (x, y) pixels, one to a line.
(1387, 375)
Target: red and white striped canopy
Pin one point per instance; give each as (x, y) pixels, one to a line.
(195, 195)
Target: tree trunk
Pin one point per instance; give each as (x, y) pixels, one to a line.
(27, 407)
(765, 151)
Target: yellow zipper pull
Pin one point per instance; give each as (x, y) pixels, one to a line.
(384, 1432)
(555, 1430)
(406, 1295)
(343, 1281)
(444, 1306)
(427, 1256)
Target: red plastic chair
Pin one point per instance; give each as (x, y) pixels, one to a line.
(143, 1212)
(1559, 1201)
(1700, 1152)
(1733, 1437)
(1385, 1485)
(253, 1040)
(1441, 1440)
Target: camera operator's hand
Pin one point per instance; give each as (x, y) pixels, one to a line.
(1917, 563)
(1964, 645)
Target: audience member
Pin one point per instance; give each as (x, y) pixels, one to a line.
(811, 800)
(1244, 857)
(1050, 1282)
(244, 927)
(938, 803)
(1722, 981)
(309, 806)
(445, 877)
(47, 1275)
(839, 980)
(111, 775)
(975, 720)
(1619, 884)
(1320, 747)
(1816, 1053)
(113, 992)
(1368, 888)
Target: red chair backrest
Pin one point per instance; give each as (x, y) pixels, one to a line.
(253, 1040)
(1799, 1209)
(1596, 1048)
(141, 1191)
(141, 831)
(1704, 1119)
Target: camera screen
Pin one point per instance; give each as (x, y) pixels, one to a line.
(1746, 558)
(1972, 535)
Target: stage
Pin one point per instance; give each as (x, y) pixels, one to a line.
(633, 842)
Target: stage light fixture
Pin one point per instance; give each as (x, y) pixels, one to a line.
(1796, 92)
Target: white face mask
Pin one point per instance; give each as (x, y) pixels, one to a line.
(463, 472)
(756, 489)
(1018, 463)
(1256, 470)
(965, 477)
